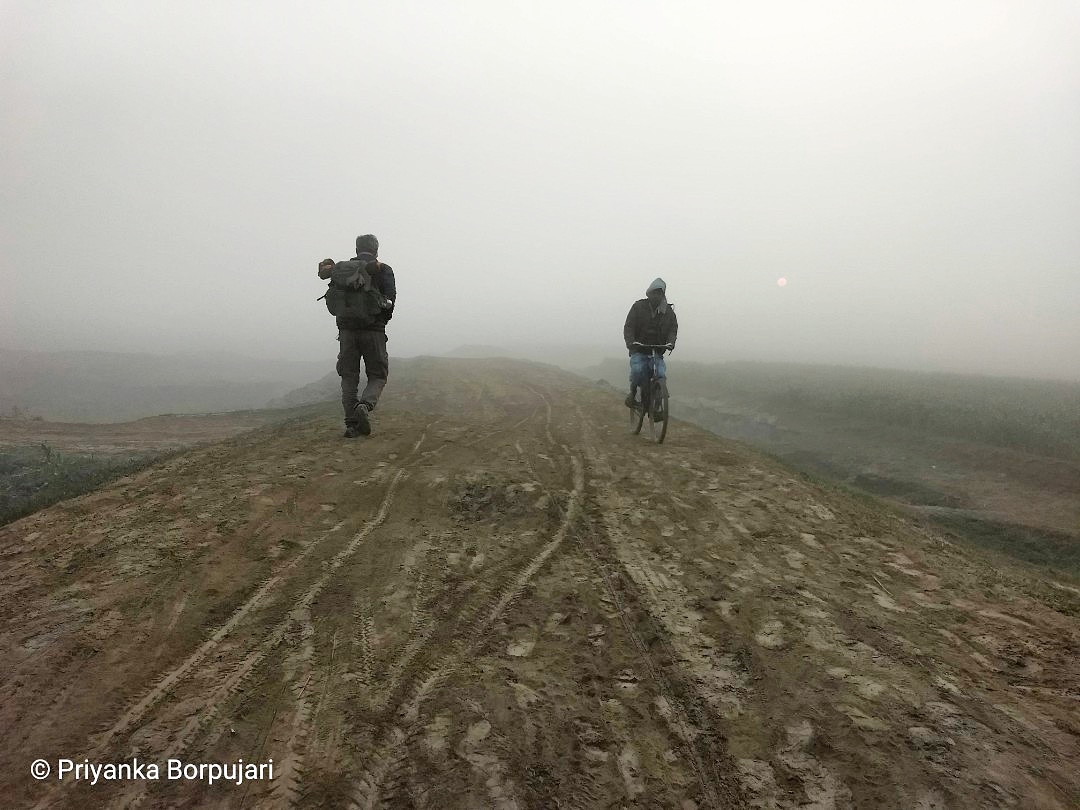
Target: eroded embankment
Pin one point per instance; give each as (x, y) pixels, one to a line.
(502, 599)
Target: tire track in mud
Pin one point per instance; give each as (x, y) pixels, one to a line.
(386, 774)
(205, 721)
(589, 789)
(420, 617)
(423, 628)
(301, 608)
(290, 767)
(167, 682)
(684, 708)
(711, 689)
(703, 757)
(485, 436)
(228, 684)
(364, 627)
(422, 625)
(388, 758)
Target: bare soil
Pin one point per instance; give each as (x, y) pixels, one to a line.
(1022, 503)
(503, 599)
(153, 433)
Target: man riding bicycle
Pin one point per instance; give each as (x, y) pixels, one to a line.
(650, 322)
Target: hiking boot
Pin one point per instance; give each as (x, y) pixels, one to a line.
(363, 424)
(629, 401)
(351, 432)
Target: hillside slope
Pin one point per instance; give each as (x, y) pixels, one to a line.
(503, 599)
(994, 461)
(88, 386)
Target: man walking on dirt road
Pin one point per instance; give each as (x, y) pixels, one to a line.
(364, 341)
(650, 322)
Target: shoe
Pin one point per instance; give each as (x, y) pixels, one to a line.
(629, 401)
(351, 432)
(363, 424)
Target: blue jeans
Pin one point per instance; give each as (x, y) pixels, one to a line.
(641, 368)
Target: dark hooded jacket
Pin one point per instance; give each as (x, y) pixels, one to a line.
(383, 279)
(645, 324)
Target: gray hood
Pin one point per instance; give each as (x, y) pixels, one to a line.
(659, 284)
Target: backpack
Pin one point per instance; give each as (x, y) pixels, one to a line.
(352, 293)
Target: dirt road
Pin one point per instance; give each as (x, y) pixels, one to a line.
(502, 599)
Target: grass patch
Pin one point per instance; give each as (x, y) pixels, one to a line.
(34, 477)
(1042, 547)
(908, 491)
(1033, 415)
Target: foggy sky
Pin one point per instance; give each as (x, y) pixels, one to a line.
(172, 173)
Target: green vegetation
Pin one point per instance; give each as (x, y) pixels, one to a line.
(906, 490)
(1039, 416)
(1042, 547)
(35, 476)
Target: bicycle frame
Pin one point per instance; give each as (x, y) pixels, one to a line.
(654, 398)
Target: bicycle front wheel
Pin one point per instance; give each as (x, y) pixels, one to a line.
(658, 411)
(637, 413)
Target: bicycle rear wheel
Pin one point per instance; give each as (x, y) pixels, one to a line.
(637, 413)
(658, 410)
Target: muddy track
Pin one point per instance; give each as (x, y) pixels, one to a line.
(384, 776)
(225, 676)
(504, 600)
(378, 694)
(693, 722)
(170, 679)
(424, 573)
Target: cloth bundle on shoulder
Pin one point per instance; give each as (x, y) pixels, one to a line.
(352, 293)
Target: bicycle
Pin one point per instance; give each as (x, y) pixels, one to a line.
(652, 399)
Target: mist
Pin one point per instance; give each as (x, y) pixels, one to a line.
(173, 174)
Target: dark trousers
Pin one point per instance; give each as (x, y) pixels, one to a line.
(357, 344)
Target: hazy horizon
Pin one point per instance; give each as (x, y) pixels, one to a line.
(582, 360)
(174, 174)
